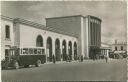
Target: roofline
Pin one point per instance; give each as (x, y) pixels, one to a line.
(75, 16)
(65, 16)
(94, 17)
(29, 23)
(38, 26)
(6, 18)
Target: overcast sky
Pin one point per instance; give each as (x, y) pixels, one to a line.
(112, 13)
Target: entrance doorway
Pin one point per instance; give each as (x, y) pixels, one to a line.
(64, 55)
(75, 51)
(70, 50)
(49, 49)
(57, 50)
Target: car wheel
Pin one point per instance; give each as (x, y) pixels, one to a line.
(16, 65)
(38, 63)
(26, 66)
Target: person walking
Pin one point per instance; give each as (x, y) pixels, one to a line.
(53, 58)
(68, 58)
(106, 58)
(81, 58)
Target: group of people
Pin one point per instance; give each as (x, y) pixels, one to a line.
(68, 58)
(104, 57)
(79, 58)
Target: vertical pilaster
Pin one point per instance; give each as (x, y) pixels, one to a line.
(61, 49)
(87, 35)
(72, 50)
(93, 33)
(53, 46)
(100, 32)
(16, 30)
(45, 46)
(67, 47)
(96, 31)
(82, 38)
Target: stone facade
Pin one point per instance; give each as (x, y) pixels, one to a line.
(24, 34)
(119, 46)
(87, 29)
(6, 43)
(71, 35)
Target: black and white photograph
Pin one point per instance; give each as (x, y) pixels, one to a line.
(63, 41)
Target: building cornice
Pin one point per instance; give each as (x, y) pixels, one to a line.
(94, 17)
(75, 16)
(65, 17)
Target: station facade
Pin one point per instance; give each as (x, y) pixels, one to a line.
(70, 35)
(87, 30)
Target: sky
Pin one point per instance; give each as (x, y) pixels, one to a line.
(112, 13)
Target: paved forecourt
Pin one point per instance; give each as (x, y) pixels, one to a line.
(114, 70)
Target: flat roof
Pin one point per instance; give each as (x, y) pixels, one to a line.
(65, 17)
(74, 16)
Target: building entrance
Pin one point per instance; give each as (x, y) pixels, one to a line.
(64, 55)
(75, 51)
(57, 50)
(70, 50)
(49, 49)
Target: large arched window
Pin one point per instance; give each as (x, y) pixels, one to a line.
(57, 50)
(39, 41)
(49, 49)
(64, 54)
(70, 49)
(75, 51)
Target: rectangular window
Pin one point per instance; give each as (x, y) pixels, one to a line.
(7, 31)
(91, 33)
(115, 48)
(6, 52)
(121, 47)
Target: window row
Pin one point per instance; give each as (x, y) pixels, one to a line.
(121, 48)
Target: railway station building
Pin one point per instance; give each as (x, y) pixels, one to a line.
(70, 35)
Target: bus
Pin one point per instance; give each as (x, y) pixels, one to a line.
(24, 57)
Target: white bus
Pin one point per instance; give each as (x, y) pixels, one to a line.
(24, 57)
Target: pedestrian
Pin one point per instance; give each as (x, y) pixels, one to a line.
(93, 58)
(53, 58)
(68, 58)
(81, 58)
(106, 58)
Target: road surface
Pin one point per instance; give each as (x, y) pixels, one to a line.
(89, 70)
